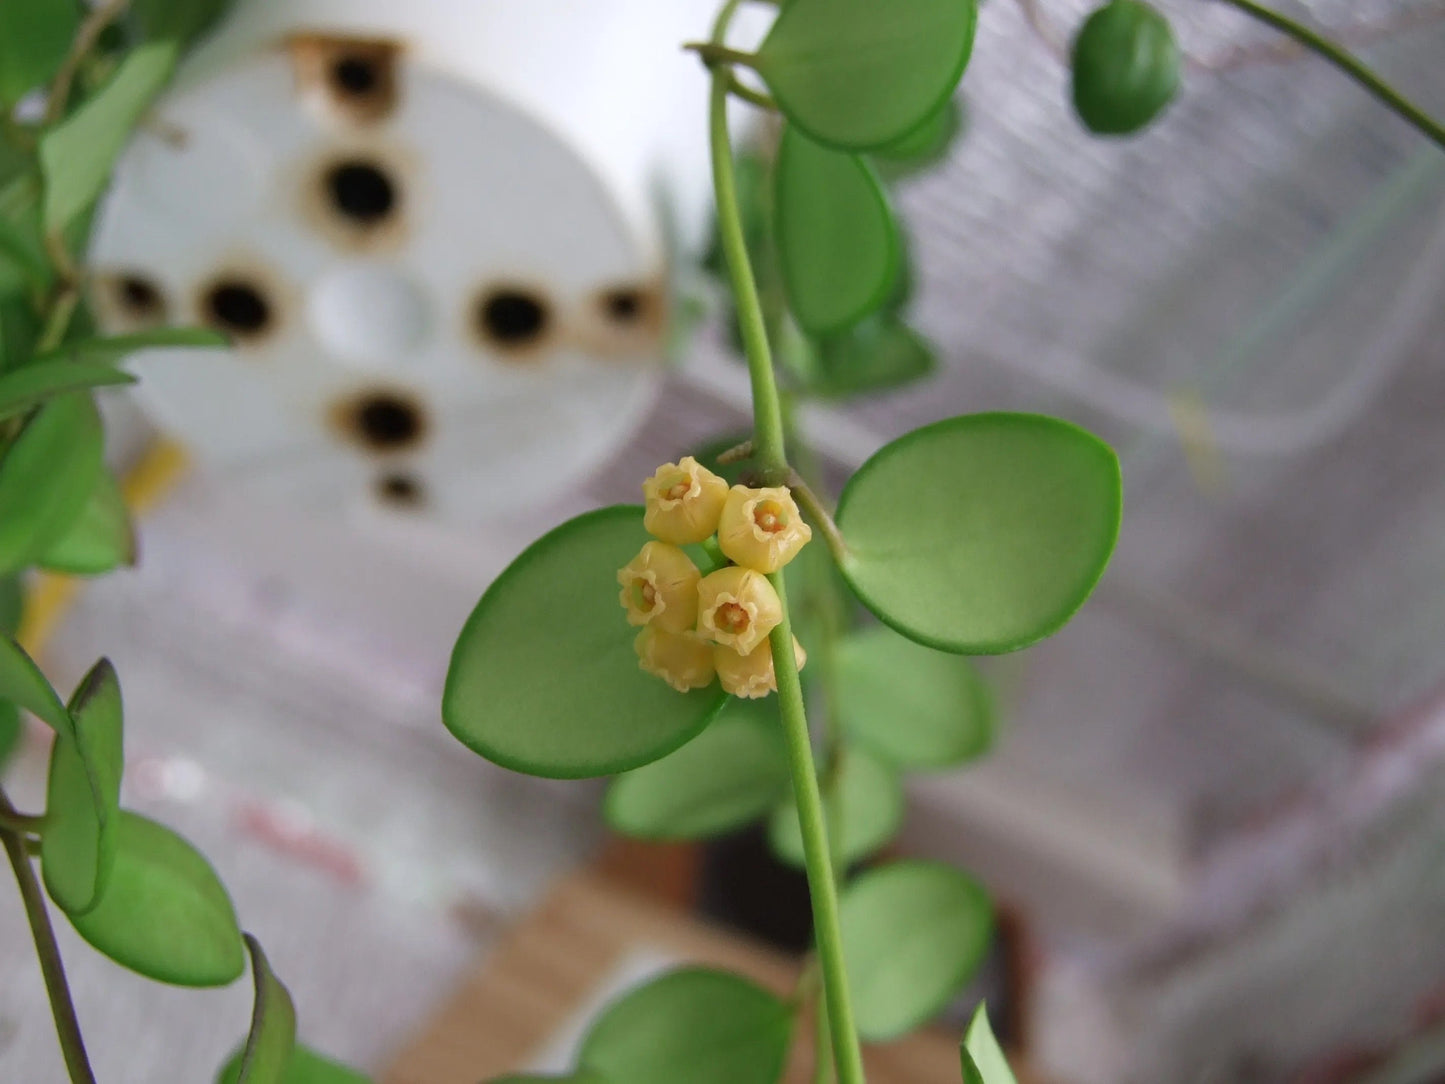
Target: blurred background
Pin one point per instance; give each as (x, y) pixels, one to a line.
(460, 245)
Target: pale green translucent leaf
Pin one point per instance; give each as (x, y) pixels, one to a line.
(165, 914)
(22, 683)
(305, 1067)
(837, 243)
(864, 807)
(858, 74)
(729, 775)
(100, 539)
(35, 35)
(77, 155)
(46, 477)
(544, 678)
(879, 354)
(25, 388)
(913, 935)
(983, 1060)
(911, 705)
(694, 1025)
(984, 533)
(267, 1055)
(82, 798)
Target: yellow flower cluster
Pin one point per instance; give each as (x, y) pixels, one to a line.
(695, 627)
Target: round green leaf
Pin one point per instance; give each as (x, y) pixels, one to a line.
(694, 1024)
(913, 935)
(880, 353)
(857, 74)
(100, 539)
(582, 1076)
(984, 533)
(837, 242)
(865, 811)
(913, 706)
(305, 1067)
(164, 913)
(544, 678)
(1126, 67)
(983, 1060)
(266, 1057)
(82, 799)
(22, 684)
(729, 775)
(925, 146)
(46, 477)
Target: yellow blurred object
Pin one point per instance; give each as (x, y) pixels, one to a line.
(1190, 415)
(147, 484)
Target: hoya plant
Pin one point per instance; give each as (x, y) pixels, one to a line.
(667, 643)
(699, 647)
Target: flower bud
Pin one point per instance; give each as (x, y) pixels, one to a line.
(682, 659)
(761, 528)
(752, 675)
(737, 607)
(659, 586)
(684, 501)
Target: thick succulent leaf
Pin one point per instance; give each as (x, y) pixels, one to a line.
(165, 913)
(913, 935)
(1125, 67)
(911, 705)
(695, 1025)
(864, 808)
(984, 533)
(82, 798)
(983, 1060)
(729, 775)
(267, 1054)
(837, 241)
(46, 477)
(857, 74)
(544, 678)
(101, 539)
(22, 684)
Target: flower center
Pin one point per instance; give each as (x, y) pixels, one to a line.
(732, 617)
(644, 595)
(770, 517)
(679, 489)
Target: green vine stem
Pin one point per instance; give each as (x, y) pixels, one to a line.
(67, 1027)
(768, 440)
(1348, 64)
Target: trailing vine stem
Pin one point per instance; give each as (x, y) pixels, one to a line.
(769, 447)
(67, 1027)
(1350, 65)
